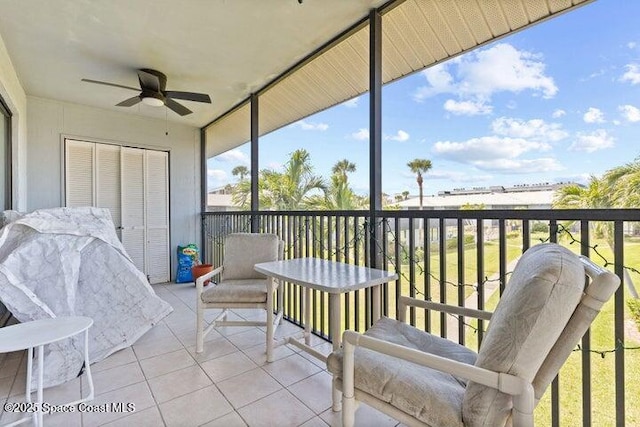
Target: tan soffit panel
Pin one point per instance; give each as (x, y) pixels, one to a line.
(416, 35)
(229, 132)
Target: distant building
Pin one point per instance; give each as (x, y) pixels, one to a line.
(220, 199)
(524, 196)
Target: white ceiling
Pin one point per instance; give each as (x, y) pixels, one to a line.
(226, 48)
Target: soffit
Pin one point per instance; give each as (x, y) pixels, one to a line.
(415, 35)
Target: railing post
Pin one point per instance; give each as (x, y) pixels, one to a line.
(375, 134)
(255, 131)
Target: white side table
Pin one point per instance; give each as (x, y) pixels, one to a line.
(38, 333)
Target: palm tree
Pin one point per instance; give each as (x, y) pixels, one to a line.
(240, 170)
(288, 190)
(405, 195)
(603, 193)
(339, 195)
(343, 167)
(419, 166)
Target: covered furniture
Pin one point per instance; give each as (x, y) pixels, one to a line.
(241, 286)
(422, 379)
(69, 262)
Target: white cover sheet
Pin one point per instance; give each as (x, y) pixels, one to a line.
(69, 261)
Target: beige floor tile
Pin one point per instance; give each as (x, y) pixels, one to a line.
(147, 418)
(195, 408)
(366, 416)
(165, 363)
(212, 349)
(291, 369)
(248, 387)
(258, 353)
(229, 420)
(188, 336)
(314, 391)
(228, 366)
(248, 339)
(5, 386)
(63, 419)
(115, 378)
(119, 358)
(10, 367)
(178, 383)
(315, 422)
(283, 409)
(157, 332)
(157, 347)
(137, 394)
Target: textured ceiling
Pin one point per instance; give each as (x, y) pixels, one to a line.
(226, 48)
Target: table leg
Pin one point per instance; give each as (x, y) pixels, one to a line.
(270, 320)
(375, 302)
(334, 321)
(306, 307)
(87, 367)
(40, 384)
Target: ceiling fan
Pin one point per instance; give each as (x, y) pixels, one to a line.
(152, 92)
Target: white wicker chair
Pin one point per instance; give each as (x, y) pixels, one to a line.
(422, 379)
(240, 286)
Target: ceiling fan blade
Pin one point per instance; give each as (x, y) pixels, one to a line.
(129, 102)
(188, 96)
(178, 108)
(149, 81)
(111, 84)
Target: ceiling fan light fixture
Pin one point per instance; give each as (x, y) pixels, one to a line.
(153, 102)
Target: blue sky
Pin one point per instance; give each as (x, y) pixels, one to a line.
(557, 102)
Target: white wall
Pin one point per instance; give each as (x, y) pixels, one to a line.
(50, 120)
(14, 96)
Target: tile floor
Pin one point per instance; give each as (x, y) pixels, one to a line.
(229, 384)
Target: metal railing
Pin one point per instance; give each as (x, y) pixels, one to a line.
(464, 257)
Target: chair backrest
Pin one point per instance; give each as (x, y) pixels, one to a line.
(244, 250)
(542, 294)
(601, 287)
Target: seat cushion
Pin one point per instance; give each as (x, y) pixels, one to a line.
(542, 294)
(244, 250)
(433, 397)
(250, 290)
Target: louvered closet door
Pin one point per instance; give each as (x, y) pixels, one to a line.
(157, 209)
(133, 204)
(107, 190)
(79, 176)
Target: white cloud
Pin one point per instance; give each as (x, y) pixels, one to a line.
(480, 74)
(520, 166)
(233, 156)
(304, 125)
(630, 113)
(456, 176)
(440, 81)
(558, 113)
(535, 128)
(361, 135)
(632, 75)
(594, 141)
(498, 154)
(632, 45)
(593, 115)
(216, 178)
(352, 103)
(400, 136)
(487, 148)
(467, 108)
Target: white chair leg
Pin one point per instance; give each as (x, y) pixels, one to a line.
(199, 328)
